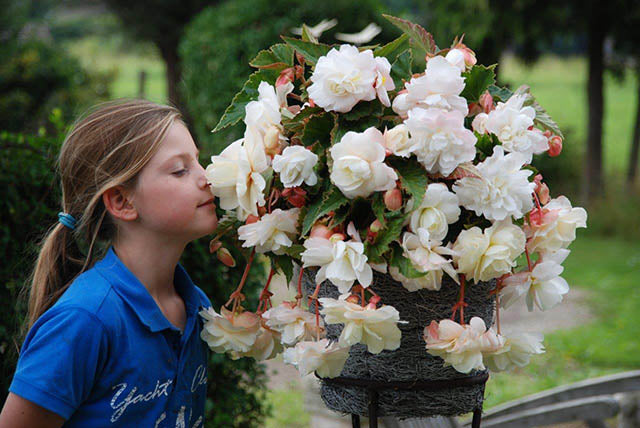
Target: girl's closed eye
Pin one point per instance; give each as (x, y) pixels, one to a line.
(180, 172)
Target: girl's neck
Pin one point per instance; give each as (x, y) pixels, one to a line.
(152, 263)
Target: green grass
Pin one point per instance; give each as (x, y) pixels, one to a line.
(610, 270)
(288, 408)
(102, 55)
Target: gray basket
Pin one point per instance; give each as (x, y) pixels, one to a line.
(410, 362)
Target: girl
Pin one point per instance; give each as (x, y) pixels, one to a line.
(115, 342)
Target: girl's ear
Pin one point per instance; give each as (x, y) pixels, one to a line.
(117, 200)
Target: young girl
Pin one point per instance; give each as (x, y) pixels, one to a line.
(116, 342)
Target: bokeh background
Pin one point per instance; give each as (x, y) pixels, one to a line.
(580, 58)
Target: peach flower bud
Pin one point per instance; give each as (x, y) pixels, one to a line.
(474, 109)
(287, 75)
(320, 231)
(294, 109)
(555, 145)
(393, 199)
(375, 226)
(214, 245)
(547, 134)
(225, 257)
(541, 190)
(486, 102)
(251, 219)
(262, 211)
(469, 55)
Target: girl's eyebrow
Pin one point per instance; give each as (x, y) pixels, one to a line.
(181, 155)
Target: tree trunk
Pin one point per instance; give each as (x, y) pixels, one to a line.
(635, 143)
(593, 183)
(174, 76)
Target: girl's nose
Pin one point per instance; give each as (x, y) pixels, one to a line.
(202, 178)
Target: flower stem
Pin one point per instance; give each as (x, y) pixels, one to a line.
(460, 304)
(237, 296)
(528, 258)
(265, 294)
(498, 312)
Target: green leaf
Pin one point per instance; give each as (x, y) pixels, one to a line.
(310, 51)
(294, 251)
(477, 80)
(502, 94)
(282, 264)
(319, 128)
(421, 38)
(401, 69)
(307, 36)
(331, 200)
(413, 177)
(486, 143)
(363, 109)
(278, 56)
(386, 236)
(403, 264)
(393, 49)
(341, 215)
(378, 207)
(249, 92)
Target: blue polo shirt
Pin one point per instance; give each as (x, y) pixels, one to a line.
(104, 355)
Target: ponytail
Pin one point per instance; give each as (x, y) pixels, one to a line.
(106, 148)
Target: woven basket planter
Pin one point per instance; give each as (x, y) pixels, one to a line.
(410, 362)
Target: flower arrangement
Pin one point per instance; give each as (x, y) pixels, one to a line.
(405, 159)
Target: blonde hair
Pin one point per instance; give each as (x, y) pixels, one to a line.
(106, 147)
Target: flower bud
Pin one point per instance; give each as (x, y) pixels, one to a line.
(375, 226)
(547, 134)
(320, 231)
(555, 145)
(353, 299)
(469, 55)
(486, 102)
(225, 257)
(393, 199)
(541, 190)
(287, 75)
(272, 141)
(252, 219)
(214, 245)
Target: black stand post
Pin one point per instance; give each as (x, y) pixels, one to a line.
(374, 386)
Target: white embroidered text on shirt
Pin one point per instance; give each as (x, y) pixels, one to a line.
(160, 389)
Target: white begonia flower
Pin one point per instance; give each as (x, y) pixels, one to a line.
(342, 78)
(559, 233)
(441, 140)
(501, 191)
(542, 287)
(425, 255)
(293, 322)
(439, 87)
(384, 82)
(235, 175)
(439, 209)
(324, 357)
(376, 328)
(516, 351)
(484, 255)
(340, 262)
(266, 346)
(224, 332)
(459, 346)
(358, 164)
(456, 58)
(510, 122)
(272, 232)
(479, 123)
(264, 113)
(295, 165)
(398, 142)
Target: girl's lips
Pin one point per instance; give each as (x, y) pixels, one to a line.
(209, 202)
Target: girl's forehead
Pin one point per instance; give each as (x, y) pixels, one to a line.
(177, 141)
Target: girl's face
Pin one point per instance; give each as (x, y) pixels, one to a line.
(172, 196)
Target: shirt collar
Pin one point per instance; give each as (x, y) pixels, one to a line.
(135, 294)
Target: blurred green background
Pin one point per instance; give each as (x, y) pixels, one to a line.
(60, 57)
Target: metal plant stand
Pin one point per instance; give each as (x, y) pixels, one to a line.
(373, 387)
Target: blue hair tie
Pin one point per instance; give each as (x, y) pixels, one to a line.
(67, 220)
